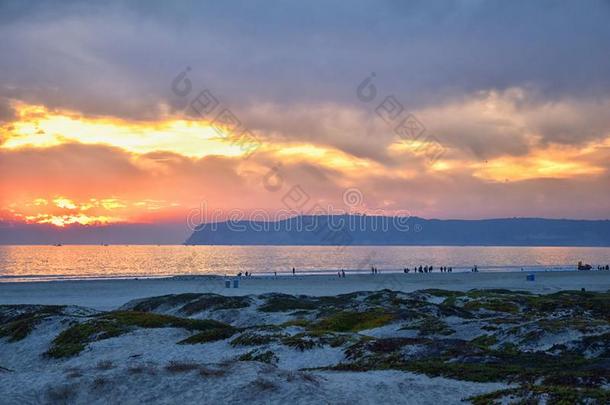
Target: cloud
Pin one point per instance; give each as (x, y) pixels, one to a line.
(119, 58)
(504, 86)
(7, 113)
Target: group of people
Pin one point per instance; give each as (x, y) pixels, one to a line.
(582, 266)
(341, 273)
(374, 270)
(246, 274)
(427, 269)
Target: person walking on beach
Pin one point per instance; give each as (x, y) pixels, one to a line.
(342, 273)
(293, 271)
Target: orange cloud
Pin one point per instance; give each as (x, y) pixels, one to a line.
(63, 168)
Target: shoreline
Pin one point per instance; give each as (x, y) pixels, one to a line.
(112, 293)
(28, 278)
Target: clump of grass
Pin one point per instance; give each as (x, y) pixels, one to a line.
(528, 367)
(265, 357)
(300, 341)
(494, 305)
(303, 323)
(105, 365)
(141, 369)
(62, 394)
(76, 373)
(494, 292)
(430, 326)
(443, 293)
(255, 339)
(211, 372)
(547, 394)
(210, 335)
(99, 383)
(215, 302)
(263, 384)
(181, 366)
(301, 375)
(18, 327)
(484, 341)
(74, 339)
(348, 321)
(593, 302)
(148, 320)
(171, 300)
(283, 303)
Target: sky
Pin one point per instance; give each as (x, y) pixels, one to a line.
(155, 112)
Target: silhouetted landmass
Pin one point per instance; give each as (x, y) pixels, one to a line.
(377, 230)
(12, 233)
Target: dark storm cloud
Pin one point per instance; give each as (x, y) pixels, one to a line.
(119, 59)
(6, 110)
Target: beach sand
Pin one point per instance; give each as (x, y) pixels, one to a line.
(367, 348)
(110, 294)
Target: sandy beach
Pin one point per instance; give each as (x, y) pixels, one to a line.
(362, 339)
(109, 294)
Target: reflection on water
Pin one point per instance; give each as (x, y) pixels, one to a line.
(19, 263)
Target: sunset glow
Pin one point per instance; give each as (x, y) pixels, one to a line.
(100, 128)
(152, 153)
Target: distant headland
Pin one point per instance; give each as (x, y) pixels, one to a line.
(384, 230)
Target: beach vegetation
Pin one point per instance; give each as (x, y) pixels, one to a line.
(214, 302)
(168, 301)
(495, 305)
(301, 341)
(251, 338)
(181, 366)
(429, 325)
(530, 393)
(484, 341)
(210, 335)
(264, 357)
(62, 394)
(73, 340)
(263, 384)
(284, 303)
(23, 319)
(351, 321)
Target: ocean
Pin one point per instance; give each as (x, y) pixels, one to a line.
(47, 263)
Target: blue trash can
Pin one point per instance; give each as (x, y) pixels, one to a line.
(227, 283)
(236, 283)
(531, 277)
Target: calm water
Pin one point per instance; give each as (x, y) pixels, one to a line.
(34, 263)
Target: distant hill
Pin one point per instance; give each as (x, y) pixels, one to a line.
(377, 230)
(144, 234)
